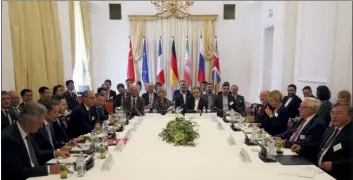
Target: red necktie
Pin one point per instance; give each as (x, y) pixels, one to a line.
(295, 135)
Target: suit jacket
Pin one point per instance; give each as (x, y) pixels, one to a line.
(71, 100)
(342, 159)
(42, 138)
(81, 121)
(190, 105)
(293, 105)
(5, 119)
(278, 123)
(119, 99)
(15, 111)
(15, 162)
(146, 97)
(325, 112)
(205, 97)
(100, 114)
(218, 103)
(176, 93)
(179, 99)
(112, 95)
(239, 104)
(311, 133)
(139, 106)
(60, 130)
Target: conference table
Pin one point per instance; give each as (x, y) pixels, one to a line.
(147, 157)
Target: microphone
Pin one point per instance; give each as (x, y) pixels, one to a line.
(248, 140)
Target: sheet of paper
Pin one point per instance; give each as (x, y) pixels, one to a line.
(69, 160)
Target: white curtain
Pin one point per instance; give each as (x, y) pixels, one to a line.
(166, 28)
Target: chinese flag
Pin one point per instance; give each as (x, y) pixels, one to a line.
(130, 65)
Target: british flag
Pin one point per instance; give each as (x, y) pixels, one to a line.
(216, 71)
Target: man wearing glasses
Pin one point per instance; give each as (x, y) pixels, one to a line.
(82, 119)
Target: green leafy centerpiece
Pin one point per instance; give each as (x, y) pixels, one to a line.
(180, 132)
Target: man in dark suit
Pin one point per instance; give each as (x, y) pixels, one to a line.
(195, 103)
(111, 94)
(134, 104)
(101, 113)
(334, 154)
(308, 130)
(150, 96)
(239, 100)
(45, 136)
(128, 83)
(81, 120)
(27, 96)
(225, 101)
(6, 111)
(209, 96)
(21, 157)
(181, 96)
(15, 104)
(203, 87)
(44, 93)
(121, 96)
(292, 101)
(307, 92)
(70, 95)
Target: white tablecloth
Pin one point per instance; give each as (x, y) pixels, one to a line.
(147, 157)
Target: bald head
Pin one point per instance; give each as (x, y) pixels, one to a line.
(150, 87)
(264, 96)
(14, 98)
(89, 98)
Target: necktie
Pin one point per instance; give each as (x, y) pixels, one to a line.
(209, 101)
(295, 135)
(8, 116)
(49, 135)
(32, 154)
(122, 99)
(327, 145)
(133, 102)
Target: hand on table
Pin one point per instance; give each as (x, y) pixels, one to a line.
(295, 148)
(327, 166)
(71, 143)
(65, 148)
(54, 169)
(63, 154)
(80, 138)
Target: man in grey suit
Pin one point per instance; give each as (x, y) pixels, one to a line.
(239, 100)
(209, 97)
(134, 104)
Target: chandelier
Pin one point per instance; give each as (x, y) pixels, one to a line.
(172, 6)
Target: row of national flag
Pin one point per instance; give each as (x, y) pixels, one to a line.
(174, 75)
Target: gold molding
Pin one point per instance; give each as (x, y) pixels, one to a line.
(168, 14)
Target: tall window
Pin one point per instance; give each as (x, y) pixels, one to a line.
(80, 73)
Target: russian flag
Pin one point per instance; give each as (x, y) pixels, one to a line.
(201, 72)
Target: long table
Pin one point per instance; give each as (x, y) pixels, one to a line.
(147, 157)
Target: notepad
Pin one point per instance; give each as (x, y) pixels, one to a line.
(69, 160)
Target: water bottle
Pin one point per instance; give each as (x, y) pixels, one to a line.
(231, 115)
(80, 165)
(105, 144)
(204, 110)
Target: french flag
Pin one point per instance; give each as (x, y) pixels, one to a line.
(201, 72)
(160, 64)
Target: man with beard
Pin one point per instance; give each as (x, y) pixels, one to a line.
(292, 101)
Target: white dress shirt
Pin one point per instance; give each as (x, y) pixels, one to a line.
(225, 103)
(46, 125)
(305, 124)
(184, 96)
(196, 104)
(150, 97)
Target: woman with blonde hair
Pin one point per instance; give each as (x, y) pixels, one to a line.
(162, 104)
(277, 116)
(344, 97)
